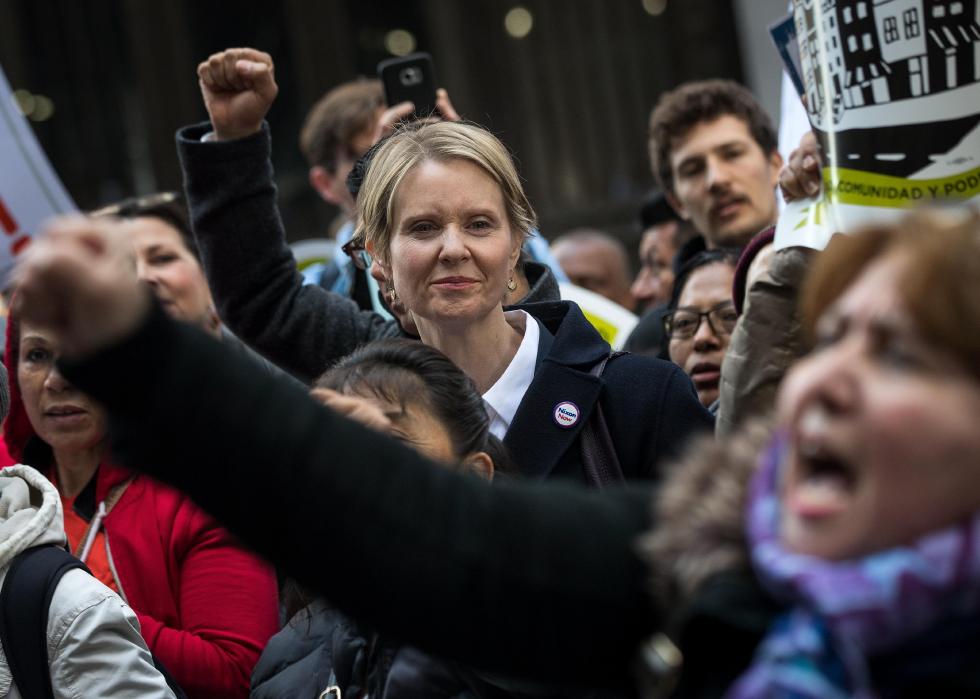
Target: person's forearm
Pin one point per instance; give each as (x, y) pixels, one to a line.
(536, 580)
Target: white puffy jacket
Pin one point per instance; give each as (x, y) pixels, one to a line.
(94, 643)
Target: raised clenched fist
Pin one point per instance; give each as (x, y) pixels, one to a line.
(238, 86)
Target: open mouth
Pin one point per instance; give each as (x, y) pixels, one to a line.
(823, 484)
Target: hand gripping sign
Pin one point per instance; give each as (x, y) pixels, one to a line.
(30, 191)
(893, 95)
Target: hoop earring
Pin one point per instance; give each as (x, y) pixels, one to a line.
(511, 283)
(392, 295)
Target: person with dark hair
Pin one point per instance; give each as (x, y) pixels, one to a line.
(167, 258)
(337, 131)
(168, 207)
(415, 385)
(664, 234)
(844, 564)
(714, 153)
(168, 261)
(415, 394)
(701, 318)
(665, 237)
(596, 261)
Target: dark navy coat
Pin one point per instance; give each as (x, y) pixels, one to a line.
(650, 406)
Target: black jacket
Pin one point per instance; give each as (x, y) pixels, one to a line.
(320, 647)
(650, 406)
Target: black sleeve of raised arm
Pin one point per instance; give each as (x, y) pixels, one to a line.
(532, 579)
(259, 293)
(682, 417)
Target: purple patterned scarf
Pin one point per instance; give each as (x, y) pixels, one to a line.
(847, 610)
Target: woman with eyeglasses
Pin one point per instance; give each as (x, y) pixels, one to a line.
(701, 319)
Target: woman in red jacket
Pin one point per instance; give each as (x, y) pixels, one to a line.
(206, 607)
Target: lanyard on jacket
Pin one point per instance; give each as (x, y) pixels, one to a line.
(105, 507)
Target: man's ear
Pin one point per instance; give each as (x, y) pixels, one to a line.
(775, 165)
(676, 205)
(324, 182)
(480, 464)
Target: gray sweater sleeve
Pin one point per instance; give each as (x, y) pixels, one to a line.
(258, 291)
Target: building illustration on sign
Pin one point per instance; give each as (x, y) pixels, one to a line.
(879, 51)
(877, 71)
(892, 90)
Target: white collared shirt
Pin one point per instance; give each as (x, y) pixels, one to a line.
(503, 398)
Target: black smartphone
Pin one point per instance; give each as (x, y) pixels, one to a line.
(410, 78)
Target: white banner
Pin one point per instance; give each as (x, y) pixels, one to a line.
(30, 191)
(893, 95)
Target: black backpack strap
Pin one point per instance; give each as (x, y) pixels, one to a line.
(24, 601)
(602, 466)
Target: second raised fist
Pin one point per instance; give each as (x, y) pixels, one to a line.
(239, 87)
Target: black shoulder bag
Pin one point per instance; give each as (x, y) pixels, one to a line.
(24, 601)
(602, 466)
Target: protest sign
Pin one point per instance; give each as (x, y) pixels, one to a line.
(892, 90)
(313, 251)
(613, 322)
(30, 191)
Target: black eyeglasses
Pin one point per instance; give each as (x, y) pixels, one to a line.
(355, 250)
(683, 323)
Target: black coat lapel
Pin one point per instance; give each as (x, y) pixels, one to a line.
(535, 440)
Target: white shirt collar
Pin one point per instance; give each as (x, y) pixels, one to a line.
(503, 398)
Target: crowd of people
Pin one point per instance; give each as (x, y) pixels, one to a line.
(416, 471)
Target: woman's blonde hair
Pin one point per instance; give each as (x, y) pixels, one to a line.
(440, 141)
(940, 287)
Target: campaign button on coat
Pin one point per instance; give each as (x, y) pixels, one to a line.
(566, 414)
